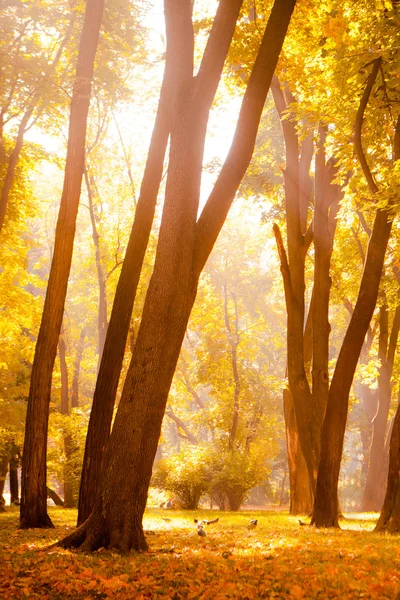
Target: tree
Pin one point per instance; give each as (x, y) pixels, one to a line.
(34, 495)
(31, 84)
(389, 519)
(183, 248)
(376, 476)
(325, 512)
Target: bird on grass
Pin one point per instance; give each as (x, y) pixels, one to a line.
(202, 523)
(253, 522)
(200, 531)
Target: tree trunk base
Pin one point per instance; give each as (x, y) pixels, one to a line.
(94, 534)
(321, 521)
(36, 522)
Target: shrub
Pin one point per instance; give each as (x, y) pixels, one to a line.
(186, 474)
(234, 474)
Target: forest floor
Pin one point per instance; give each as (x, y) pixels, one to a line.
(276, 559)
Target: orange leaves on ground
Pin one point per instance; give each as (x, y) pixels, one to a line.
(278, 559)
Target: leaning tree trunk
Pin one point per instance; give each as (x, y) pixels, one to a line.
(183, 248)
(389, 519)
(34, 497)
(118, 327)
(325, 513)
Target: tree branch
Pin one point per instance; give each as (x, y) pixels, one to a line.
(359, 122)
(238, 159)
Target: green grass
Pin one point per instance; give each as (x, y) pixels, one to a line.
(277, 559)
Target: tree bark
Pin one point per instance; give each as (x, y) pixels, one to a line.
(300, 489)
(116, 520)
(34, 497)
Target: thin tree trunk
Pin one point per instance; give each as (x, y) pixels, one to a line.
(64, 409)
(376, 478)
(101, 280)
(34, 497)
(389, 519)
(298, 160)
(77, 369)
(14, 487)
(327, 198)
(183, 248)
(326, 500)
(3, 474)
(325, 512)
(233, 339)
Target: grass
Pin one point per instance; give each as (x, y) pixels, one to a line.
(276, 559)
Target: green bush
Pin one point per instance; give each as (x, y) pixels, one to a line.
(185, 474)
(233, 475)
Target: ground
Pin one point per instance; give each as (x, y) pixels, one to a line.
(276, 559)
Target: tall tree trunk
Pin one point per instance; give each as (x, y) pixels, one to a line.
(300, 489)
(326, 500)
(325, 512)
(118, 328)
(298, 160)
(34, 496)
(183, 248)
(389, 519)
(327, 197)
(376, 478)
